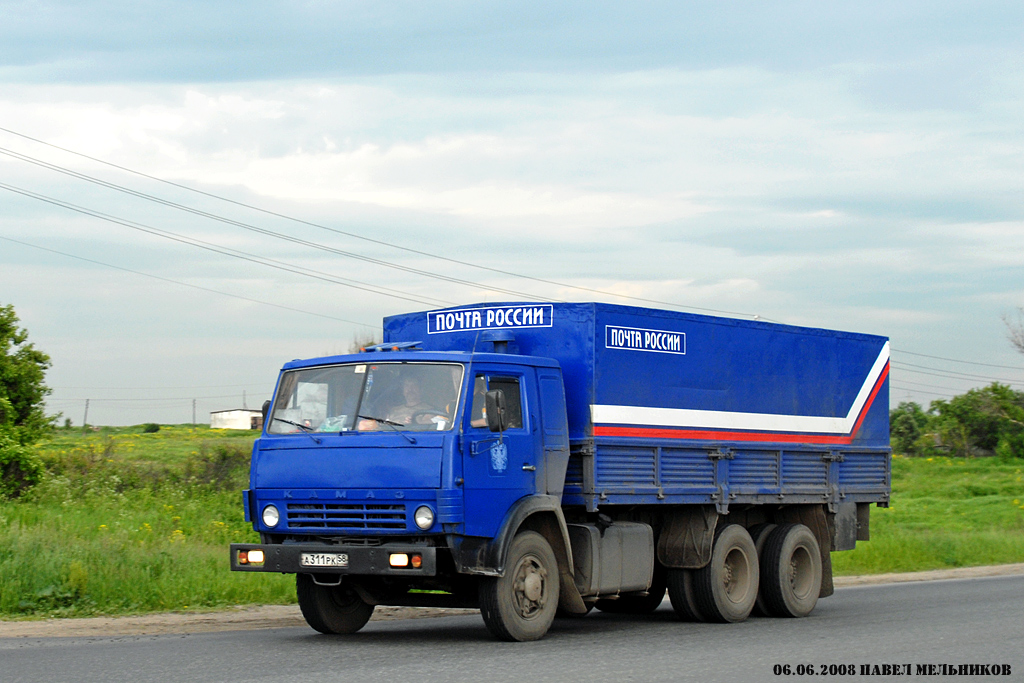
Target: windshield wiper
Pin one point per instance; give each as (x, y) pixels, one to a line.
(306, 429)
(390, 423)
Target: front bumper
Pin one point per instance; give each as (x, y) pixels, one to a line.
(362, 560)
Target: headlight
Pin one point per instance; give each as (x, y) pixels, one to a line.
(271, 516)
(424, 517)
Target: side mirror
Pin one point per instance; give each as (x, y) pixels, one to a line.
(497, 418)
(266, 409)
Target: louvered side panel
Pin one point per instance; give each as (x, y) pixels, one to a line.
(864, 471)
(754, 471)
(574, 475)
(617, 467)
(686, 467)
(803, 470)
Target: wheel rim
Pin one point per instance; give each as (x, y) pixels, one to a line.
(736, 575)
(801, 572)
(530, 587)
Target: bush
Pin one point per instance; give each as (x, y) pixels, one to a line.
(988, 421)
(20, 467)
(222, 467)
(150, 428)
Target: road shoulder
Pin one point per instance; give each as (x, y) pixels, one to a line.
(284, 616)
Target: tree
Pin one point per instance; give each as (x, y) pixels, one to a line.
(907, 423)
(982, 421)
(362, 340)
(1015, 329)
(22, 382)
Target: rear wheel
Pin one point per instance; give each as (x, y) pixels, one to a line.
(331, 609)
(759, 534)
(680, 592)
(726, 588)
(636, 604)
(791, 566)
(521, 604)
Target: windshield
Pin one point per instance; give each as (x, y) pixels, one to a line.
(367, 397)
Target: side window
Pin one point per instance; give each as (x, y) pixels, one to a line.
(513, 399)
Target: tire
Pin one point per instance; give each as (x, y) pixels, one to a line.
(521, 605)
(680, 592)
(791, 563)
(331, 609)
(759, 534)
(635, 604)
(726, 589)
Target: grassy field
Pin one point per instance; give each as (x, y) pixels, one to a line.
(945, 512)
(129, 522)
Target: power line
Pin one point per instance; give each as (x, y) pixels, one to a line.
(259, 230)
(916, 391)
(373, 240)
(930, 386)
(186, 284)
(951, 374)
(226, 251)
(954, 360)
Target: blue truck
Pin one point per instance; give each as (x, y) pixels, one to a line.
(540, 460)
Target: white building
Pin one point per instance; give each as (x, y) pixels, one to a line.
(240, 418)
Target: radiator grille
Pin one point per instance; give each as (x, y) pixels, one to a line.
(346, 516)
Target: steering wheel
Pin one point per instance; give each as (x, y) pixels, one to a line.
(413, 419)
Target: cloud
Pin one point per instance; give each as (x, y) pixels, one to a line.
(854, 167)
(189, 41)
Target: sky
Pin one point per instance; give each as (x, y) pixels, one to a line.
(856, 166)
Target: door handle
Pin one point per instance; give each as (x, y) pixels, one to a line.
(529, 468)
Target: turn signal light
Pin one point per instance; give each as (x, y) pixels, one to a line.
(250, 557)
(403, 560)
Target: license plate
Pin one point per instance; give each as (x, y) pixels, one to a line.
(323, 560)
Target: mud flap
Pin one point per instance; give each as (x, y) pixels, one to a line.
(687, 536)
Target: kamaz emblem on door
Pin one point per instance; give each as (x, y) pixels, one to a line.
(639, 339)
(499, 456)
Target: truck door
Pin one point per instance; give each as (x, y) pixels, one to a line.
(556, 430)
(497, 469)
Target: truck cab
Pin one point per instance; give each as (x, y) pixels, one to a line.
(392, 466)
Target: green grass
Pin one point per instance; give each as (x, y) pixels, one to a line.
(127, 522)
(945, 512)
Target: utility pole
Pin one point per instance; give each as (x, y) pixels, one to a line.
(193, 413)
(244, 406)
(85, 420)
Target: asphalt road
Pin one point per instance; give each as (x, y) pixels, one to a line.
(975, 621)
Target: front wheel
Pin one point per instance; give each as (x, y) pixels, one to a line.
(331, 609)
(521, 604)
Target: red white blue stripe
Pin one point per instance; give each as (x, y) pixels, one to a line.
(676, 423)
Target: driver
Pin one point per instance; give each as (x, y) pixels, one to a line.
(413, 409)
